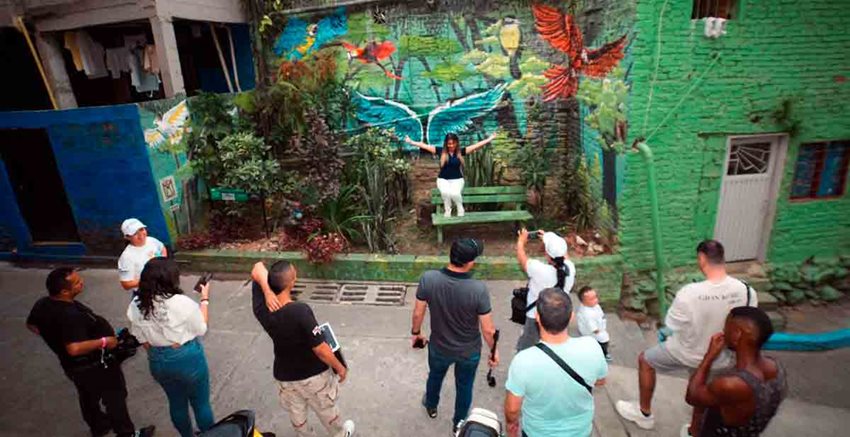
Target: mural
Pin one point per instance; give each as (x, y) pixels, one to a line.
(401, 61)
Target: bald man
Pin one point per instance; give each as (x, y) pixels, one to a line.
(742, 401)
(304, 365)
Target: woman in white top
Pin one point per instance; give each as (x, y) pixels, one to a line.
(168, 325)
(558, 272)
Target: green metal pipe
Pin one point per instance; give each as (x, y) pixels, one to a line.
(646, 154)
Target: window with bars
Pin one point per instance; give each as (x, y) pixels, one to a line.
(821, 170)
(713, 8)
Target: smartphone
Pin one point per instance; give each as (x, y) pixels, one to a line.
(533, 235)
(203, 280)
(420, 343)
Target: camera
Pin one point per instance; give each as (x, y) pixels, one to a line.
(533, 235)
(203, 280)
(127, 345)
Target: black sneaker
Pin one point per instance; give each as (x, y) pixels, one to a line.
(147, 431)
(432, 412)
(103, 432)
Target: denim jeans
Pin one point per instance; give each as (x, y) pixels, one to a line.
(184, 375)
(438, 365)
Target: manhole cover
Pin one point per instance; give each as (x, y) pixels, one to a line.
(360, 293)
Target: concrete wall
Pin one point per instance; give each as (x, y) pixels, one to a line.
(103, 163)
(697, 91)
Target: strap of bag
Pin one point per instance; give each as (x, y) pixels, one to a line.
(749, 289)
(564, 366)
(528, 308)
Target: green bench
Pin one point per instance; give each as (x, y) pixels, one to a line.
(479, 195)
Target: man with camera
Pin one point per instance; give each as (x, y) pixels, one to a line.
(304, 364)
(84, 343)
(460, 314)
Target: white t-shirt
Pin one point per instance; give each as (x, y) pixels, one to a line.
(698, 312)
(134, 258)
(177, 319)
(590, 319)
(542, 276)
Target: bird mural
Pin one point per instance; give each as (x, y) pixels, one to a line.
(562, 33)
(453, 116)
(170, 127)
(510, 38)
(300, 39)
(372, 53)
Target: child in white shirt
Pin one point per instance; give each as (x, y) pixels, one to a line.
(591, 318)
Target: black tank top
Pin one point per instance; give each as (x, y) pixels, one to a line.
(768, 394)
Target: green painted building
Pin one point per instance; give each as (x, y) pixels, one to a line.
(749, 122)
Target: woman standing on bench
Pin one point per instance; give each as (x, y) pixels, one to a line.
(450, 180)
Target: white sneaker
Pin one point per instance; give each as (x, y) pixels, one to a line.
(631, 412)
(348, 427)
(448, 213)
(460, 211)
(686, 430)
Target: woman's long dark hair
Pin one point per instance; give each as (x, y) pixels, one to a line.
(561, 270)
(160, 280)
(444, 156)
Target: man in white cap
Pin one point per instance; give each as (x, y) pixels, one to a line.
(558, 272)
(140, 249)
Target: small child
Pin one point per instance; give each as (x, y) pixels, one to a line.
(591, 319)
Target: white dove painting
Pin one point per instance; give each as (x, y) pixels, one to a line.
(170, 127)
(453, 116)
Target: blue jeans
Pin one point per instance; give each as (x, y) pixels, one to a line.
(438, 365)
(184, 375)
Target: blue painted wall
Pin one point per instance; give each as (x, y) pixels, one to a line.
(104, 165)
(212, 79)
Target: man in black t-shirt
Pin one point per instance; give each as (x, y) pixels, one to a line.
(81, 339)
(302, 359)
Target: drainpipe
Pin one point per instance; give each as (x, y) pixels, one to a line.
(646, 154)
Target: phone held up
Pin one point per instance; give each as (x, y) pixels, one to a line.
(420, 343)
(203, 280)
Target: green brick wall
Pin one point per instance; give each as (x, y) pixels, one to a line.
(775, 51)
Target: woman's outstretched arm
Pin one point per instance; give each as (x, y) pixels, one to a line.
(480, 144)
(426, 147)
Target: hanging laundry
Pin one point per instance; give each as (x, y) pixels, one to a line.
(133, 41)
(116, 61)
(141, 80)
(92, 55)
(151, 62)
(71, 45)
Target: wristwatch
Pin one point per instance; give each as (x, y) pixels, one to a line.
(415, 333)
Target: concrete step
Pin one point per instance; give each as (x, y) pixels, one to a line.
(767, 301)
(777, 319)
(750, 269)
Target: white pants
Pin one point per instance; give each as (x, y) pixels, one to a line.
(450, 191)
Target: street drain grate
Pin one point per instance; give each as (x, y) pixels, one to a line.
(359, 293)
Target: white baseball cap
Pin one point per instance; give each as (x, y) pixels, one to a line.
(556, 246)
(131, 226)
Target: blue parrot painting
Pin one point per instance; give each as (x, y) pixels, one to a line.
(453, 116)
(300, 39)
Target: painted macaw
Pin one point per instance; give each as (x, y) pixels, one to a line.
(453, 116)
(300, 39)
(372, 53)
(561, 32)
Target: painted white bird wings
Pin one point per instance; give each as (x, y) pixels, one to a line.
(387, 114)
(154, 137)
(458, 115)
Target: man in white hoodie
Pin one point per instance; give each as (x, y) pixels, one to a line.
(698, 311)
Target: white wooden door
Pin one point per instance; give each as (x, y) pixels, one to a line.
(746, 196)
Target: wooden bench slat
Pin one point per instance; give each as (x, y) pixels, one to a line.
(510, 189)
(486, 198)
(481, 217)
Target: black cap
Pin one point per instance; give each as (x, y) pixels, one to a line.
(465, 250)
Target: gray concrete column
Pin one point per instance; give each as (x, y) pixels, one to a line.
(50, 52)
(169, 58)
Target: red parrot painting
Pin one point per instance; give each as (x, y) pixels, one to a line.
(561, 32)
(372, 53)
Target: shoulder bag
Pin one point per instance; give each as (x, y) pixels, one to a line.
(564, 366)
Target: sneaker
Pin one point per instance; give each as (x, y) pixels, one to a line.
(147, 431)
(348, 427)
(456, 428)
(609, 358)
(631, 412)
(448, 213)
(432, 412)
(685, 431)
(460, 211)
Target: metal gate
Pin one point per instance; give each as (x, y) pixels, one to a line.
(747, 196)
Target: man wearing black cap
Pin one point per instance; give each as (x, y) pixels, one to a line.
(459, 306)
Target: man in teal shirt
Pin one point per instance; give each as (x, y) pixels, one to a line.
(553, 404)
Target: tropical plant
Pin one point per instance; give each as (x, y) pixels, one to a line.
(607, 102)
(344, 214)
(210, 123)
(245, 165)
(318, 156)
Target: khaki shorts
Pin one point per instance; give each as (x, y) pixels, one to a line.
(660, 359)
